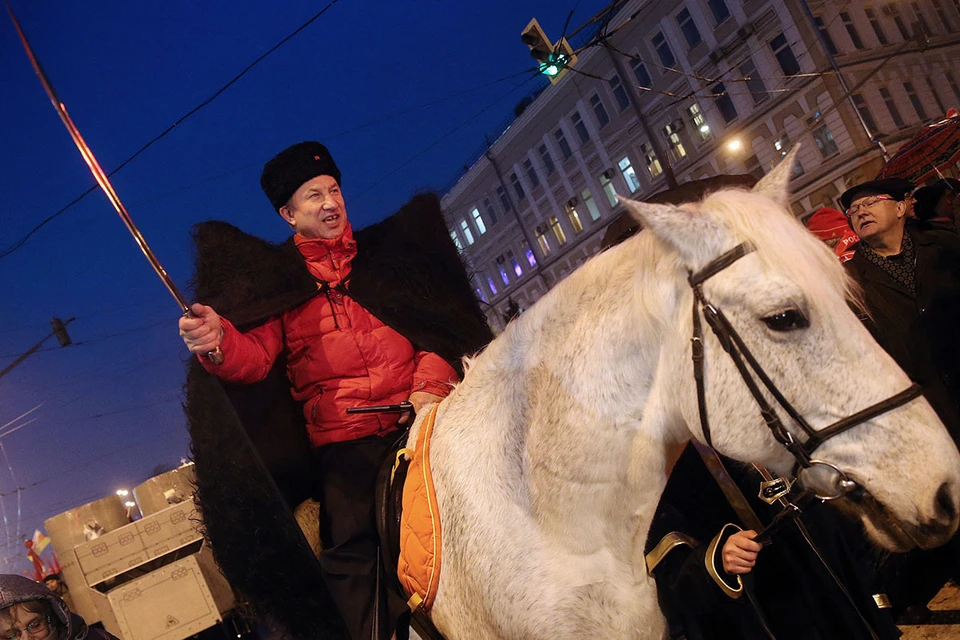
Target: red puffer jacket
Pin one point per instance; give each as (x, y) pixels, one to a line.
(338, 354)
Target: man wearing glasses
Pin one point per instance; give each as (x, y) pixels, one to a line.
(30, 611)
(911, 285)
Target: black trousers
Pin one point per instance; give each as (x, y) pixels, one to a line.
(346, 483)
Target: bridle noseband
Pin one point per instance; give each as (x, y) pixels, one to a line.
(748, 367)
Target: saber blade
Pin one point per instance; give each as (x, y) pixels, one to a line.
(96, 170)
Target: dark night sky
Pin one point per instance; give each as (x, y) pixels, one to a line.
(378, 82)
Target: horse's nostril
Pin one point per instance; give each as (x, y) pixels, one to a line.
(946, 507)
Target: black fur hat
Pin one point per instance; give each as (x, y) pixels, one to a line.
(293, 166)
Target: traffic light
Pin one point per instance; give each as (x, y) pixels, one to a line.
(60, 330)
(554, 59)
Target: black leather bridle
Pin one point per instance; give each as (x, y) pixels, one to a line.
(751, 371)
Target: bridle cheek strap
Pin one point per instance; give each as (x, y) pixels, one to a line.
(748, 367)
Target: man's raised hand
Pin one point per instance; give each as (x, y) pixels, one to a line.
(202, 330)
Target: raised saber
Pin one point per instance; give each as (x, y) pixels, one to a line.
(102, 179)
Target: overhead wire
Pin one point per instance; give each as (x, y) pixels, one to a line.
(166, 131)
(534, 74)
(233, 170)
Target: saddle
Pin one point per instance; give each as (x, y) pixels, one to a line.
(419, 561)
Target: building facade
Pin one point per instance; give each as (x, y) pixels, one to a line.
(702, 88)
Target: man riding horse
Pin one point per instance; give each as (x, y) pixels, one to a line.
(357, 335)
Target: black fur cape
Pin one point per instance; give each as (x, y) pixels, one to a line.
(249, 442)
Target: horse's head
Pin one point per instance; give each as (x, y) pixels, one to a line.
(789, 302)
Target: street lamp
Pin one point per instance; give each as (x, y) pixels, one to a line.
(734, 145)
(123, 493)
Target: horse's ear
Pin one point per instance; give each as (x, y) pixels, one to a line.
(693, 235)
(776, 184)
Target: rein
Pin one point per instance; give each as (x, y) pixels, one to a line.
(751, 371)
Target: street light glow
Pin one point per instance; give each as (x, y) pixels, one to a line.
(734, 145)
(122, 492)
(129, 504)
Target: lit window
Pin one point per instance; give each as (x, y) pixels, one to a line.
(864, 112)
(782, 145)
(822, 28)
(786, 59)
(823, 137)
(491, 212)
(599, 110)
(515, 181)
(892, 108)
(580, 126)
(688, 28)
(547, 160)
(543, 241)
(653, 162)
(456, 240)
(531, 173)
(562, 143)
(606, 183)
(557, 230)
(503, 272)
(629, 175)
(492, 285)
(465, 230)
(754, 82)
(663, 50)
(673, 139)
(699, 121)
(640, 71)
(513, 262)
(914, 100)
(877, 29)
(724, 103)
(590, 204)
(528, 252)
(478, 221)
(477, 289)
(619, 92)
(504, 200)
(574, 216)
(719, 10)
(851, 29)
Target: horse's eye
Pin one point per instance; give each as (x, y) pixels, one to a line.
(789, 320)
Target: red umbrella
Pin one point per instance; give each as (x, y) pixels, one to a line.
(925, 155)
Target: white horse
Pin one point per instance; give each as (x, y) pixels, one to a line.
(551, 455)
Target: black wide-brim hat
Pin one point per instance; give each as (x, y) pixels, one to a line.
(896, 188)
(293, 166)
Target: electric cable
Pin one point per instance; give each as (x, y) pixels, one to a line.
(178, 122)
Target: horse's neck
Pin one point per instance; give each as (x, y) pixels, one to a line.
(584, 364)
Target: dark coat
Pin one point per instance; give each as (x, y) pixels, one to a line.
(795, 594)
(249, 441)
(16, 589)
(922, 332)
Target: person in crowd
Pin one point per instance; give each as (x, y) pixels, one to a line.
(338, 356)
(910, 279)
(55, 583)
(937, 205)
(832, 227)
(30, 611)
(817, 580)
(911, 284)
